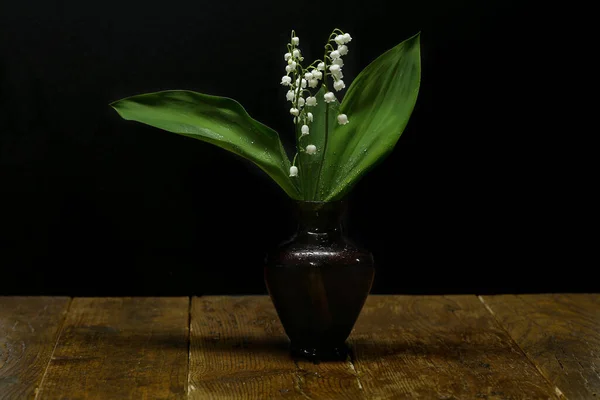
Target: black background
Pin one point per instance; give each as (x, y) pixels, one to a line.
(485, 192)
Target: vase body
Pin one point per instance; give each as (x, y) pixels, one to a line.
(318, 282)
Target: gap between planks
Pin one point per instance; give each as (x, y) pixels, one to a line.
(558, 392)
(38, 390)
(189, 343)
(353, 367)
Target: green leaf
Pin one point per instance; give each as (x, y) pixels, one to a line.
(378, 104)
(217, 120)
(310, 166)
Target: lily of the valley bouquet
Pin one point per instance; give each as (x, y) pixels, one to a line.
(337, 140)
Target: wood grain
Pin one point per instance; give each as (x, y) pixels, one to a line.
(439, 347)
(29, 327)
(239, 350)
(329, 380)
(121, 348)
(560, 333)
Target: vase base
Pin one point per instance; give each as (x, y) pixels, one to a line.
(318, 354)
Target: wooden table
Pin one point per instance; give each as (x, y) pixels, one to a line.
(403, 347)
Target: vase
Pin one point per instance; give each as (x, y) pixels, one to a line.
(318, 282)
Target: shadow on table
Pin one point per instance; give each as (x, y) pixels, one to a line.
(449, 349)
(461, 346)
(219, 343)
(104, 339)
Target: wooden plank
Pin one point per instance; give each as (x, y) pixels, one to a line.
(238, 350)
(29, 327)
(121, 348)
(440, 347)
(560, 333)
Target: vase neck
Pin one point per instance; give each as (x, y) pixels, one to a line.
(321, 219)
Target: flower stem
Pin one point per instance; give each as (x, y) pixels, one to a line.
(325, 57)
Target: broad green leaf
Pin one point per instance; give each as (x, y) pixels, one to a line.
(378, 104)
(310, 166)
(217, 120)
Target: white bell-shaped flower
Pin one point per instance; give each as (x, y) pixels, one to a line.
(296, 53)
(342, 119)
(311, 101)
(317, 74)
(286, 80)
(335, 69)
(295, 40)
(289, 95)
(339, 39)
(294, 111)
(329, 97)
(308, 76)
(303, 83)
(293, 171)
(305, 130)
(288, 68)
(347, 38)
(339, 85)
(309, 116)
(342, 49)
(301, 102)
(321, 66)
(287, 56)
(313, 83)
(311, 149)
(339, 62)
(334, 55)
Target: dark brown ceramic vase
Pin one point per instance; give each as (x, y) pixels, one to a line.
(318, 281)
